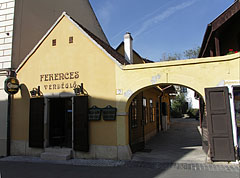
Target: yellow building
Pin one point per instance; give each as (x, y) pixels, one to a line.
(77, 92)
(149, 111)
(48, 113)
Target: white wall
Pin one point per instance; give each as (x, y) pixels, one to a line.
(3, 117)
(6, 32)
(192, 102)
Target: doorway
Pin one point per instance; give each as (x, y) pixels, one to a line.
(60, 122)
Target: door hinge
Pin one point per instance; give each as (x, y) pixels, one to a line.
(230, 95)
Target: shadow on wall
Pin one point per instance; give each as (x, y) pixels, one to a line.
(3, 127)
(100, 131)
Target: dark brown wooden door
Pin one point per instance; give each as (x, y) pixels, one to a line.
(203, 124)
(136, 124)
(81, 136)
(219, 124)
(36, 123)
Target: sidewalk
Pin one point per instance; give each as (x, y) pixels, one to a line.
(178, 148)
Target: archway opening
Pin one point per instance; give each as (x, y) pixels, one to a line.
(167, 118)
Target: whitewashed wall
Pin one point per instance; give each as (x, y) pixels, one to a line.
(192, 102)
(6, 32)
(3, 117)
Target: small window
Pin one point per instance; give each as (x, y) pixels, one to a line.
(71, 39)
(54, 42)
(183, 90)
(145, 111)
(151, 111)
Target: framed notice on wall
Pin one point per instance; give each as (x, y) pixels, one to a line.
(109, 113)
(94, 113)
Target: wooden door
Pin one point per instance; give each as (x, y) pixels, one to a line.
(136, 123)
(36, 123)
(80, 133)
(219, 124)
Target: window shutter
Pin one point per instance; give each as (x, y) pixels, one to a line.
(219, 124)
(36, 123)
(81, 136)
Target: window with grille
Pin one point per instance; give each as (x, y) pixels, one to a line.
(134, 113)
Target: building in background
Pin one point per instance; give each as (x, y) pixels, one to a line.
(223, 33)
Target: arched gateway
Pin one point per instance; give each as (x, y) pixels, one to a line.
(54, 111)
(197, 74)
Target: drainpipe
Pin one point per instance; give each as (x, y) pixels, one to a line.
(11, 74)
(8, 124)
(160, 104)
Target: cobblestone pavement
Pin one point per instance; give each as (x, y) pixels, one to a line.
(179, 148)
(130, 164)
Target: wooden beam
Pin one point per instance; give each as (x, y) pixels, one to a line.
(225, 16)
(211, 53)
(217, 46)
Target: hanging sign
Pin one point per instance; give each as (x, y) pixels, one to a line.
(11, 85)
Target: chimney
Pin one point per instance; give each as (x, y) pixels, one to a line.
(128, 47)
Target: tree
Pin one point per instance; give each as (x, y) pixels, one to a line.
(187, 54)
(179, 106)
(171, 57)
(192, 53)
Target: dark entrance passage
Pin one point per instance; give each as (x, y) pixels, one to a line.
(60, 122)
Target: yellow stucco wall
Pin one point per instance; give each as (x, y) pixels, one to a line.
(196, 74)
(193, 73)
(84, 62)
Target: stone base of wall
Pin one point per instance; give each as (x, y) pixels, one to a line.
(20, 148)
(3, 147)
(106, 152)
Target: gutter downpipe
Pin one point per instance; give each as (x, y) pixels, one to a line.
(11, 74)
(8, 125)
(160, 101)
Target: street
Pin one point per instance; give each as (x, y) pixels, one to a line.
(48, 170)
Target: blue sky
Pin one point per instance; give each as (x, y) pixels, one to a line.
(158, 26)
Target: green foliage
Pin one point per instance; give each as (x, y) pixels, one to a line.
(171, 57)
(187, 54)
(192, 53)
(179, 106)
(193, 113)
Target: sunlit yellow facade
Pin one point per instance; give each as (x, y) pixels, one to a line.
(58, 68)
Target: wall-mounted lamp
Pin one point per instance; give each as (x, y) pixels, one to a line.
(79, 89)
(35, 91)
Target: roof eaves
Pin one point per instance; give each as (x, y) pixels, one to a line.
(206, 38)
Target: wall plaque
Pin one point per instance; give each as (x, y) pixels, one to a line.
(94, 113)
(109, 113)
